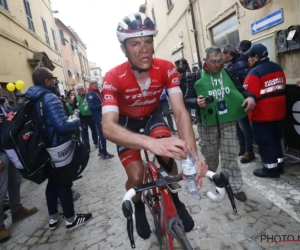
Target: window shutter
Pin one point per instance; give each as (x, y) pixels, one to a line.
(63, 41)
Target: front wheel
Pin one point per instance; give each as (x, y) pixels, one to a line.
(180, 236)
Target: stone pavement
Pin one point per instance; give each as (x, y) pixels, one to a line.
(272, 210)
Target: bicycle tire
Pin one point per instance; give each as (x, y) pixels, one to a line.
(181, 237)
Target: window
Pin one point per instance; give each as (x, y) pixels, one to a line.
(46, 31)
(68, 64)
(62, 37)
(28, 15)
(153, 16)
(54, 39)
(169, 3)
(3, 4)
(95, 73)
(226, 32)
(73, 46)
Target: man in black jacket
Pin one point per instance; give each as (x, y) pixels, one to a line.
(237, 62)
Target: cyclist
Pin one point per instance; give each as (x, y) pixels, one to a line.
(131, 97)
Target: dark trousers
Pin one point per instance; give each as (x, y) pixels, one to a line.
(244, 134)
(56, 189)
(267, 136)
(86, 122)
(97, 117)
(165, 109)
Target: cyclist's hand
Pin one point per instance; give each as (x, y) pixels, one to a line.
(201, 172)
(170, 147)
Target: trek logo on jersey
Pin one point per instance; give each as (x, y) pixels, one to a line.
(109, 97)
(140, 95)
(142, 103)
(109, 87)
(131, 90)
(172, 72)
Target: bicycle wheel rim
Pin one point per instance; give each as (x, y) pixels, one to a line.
(181, 237)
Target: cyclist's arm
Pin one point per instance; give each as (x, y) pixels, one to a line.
(183, 121)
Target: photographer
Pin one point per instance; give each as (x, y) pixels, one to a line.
(222, 101)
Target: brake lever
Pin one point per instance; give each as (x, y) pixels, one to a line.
(221, 181)
(127, 211)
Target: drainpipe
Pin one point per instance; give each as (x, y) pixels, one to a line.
(195, 34)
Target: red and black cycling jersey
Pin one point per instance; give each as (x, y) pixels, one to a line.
(122, 92)
(267, 82)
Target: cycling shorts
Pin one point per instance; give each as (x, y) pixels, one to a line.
(152, 125)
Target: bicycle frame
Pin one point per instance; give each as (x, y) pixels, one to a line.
(166, 210)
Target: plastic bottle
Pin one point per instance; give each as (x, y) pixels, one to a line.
(189, 169)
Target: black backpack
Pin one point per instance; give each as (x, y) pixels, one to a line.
(23, 142)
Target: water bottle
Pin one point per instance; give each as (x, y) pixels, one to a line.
(189, 169)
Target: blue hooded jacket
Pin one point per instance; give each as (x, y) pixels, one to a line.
(56, 118)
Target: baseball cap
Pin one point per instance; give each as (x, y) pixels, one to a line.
(257, 49)
(244, 45)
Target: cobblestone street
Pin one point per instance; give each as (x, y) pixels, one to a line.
(272, 209)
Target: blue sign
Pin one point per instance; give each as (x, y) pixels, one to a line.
(267, 22)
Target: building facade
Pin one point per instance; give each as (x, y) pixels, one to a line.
(27, 40)
(74, 55)
(184, 23)
(96, 73)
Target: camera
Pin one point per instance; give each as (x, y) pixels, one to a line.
(209, 99)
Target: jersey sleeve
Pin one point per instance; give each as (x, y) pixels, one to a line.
(172, 83)
(252, 85)
(109, 92)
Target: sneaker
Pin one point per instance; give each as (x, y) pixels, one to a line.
(174, 131)
(4, 235)
(105, 157)
(141, 223)
(80, 219)
(186, 218)
(22, 213)
(54, 223)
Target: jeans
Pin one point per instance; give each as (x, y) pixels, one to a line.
(97, 118)
(267, 136)
(165, 109)
(56, 189)
(10, 180)
(244, 134)
(86, 122)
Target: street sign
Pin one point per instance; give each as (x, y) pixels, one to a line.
(267, 22)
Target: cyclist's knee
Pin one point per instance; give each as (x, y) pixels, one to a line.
(135, 172)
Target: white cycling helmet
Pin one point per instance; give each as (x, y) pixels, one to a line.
(135, 25)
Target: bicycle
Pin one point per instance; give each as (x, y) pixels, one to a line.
(156, 195)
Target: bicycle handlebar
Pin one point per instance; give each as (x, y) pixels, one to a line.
(220, 180)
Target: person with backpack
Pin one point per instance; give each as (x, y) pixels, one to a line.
(95, 99)
(58, 130)
(86, 120)
(10, 181)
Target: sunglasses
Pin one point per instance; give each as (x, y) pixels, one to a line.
(213, 62)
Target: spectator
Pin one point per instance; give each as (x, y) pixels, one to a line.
(165, 110)
(57, 124)
(244, 45)
(182, 79)
(95, 99)
(219, 114)
(236, 62)
(86, 120)
(10, 181)
(267, 81)
(185, 65)
(195, 69)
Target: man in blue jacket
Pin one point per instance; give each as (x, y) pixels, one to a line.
(57, 130)
(237, 62)
(94, 100)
